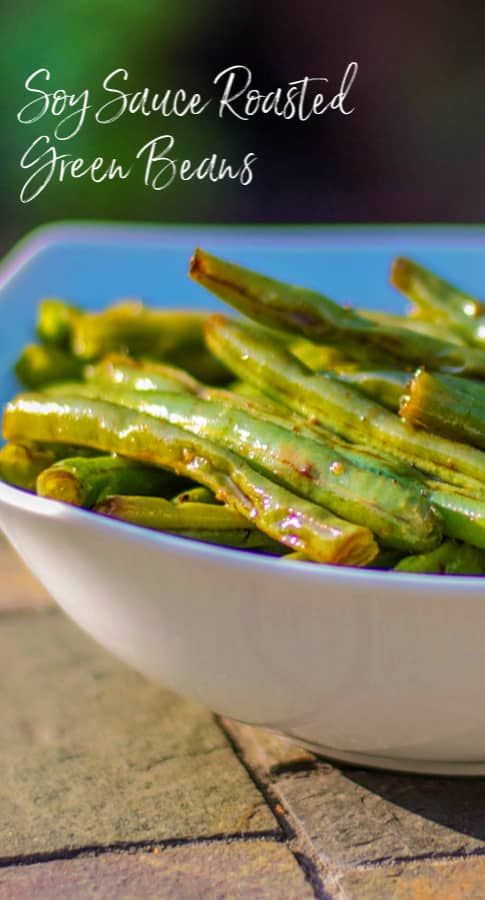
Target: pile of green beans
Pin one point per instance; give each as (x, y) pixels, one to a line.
(303, 430)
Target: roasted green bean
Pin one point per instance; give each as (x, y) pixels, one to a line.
(195, 495)
(338, 406)
(20, 464)
(296, 523)
(39, 365)
(450, 558)
(440, 301)
(294, 309)
(86, 481)
(55, 322)
(206, 522)
(139, 375)
(397, 511)
(445, 406)
(386, 386)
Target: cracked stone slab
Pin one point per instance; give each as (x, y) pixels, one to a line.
(460, 879)
(18, 588)
(252, 869)
(354, 817)
(92, 754)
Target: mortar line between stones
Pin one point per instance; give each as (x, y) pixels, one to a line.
(297, 840)
(120, 847)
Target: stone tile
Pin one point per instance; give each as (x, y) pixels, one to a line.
(265, 751)
(354, 816)
(93, 754)
(18, 588)
(461, 879)
(252, 869)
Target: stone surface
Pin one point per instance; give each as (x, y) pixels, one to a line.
(18, 588)
(92, 754)
(354, 816)
(252, 869)
(461, 879)
(267, 752)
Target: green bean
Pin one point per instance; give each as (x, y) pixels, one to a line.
(440, 301)
(195, 495)
(296, 523)
(297, 556)
(140, 375)
(386, 559)
(338, 406)
(446, 407)
(20, 464)
(129, 325)
(422, 326)
(291, 309)
(463, 516)
(324, 358)
(38, 365)
(172, 335)
(394, 509)
(55, 321)
(122, 372)
(85, 482)
(241, 539)
(199, 362)
(160, 513)
(450, 559)
(385, 386)
(200, 521)
(164, 515)
(268, 411)
(342, 353)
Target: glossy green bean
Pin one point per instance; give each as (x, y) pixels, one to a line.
(283, 516)
(440, 301)
(86, 481)
(295, 309)
(444, 406)
(338, 406)
(396, 510)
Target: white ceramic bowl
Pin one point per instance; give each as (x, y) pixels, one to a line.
(371, 667)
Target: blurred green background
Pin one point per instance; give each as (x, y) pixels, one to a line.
(413, 150)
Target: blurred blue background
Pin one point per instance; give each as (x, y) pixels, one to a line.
(413, 150)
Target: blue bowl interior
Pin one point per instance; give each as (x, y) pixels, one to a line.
(92, 265)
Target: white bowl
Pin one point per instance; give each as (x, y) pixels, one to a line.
(374, 668)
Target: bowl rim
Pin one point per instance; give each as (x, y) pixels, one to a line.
(108, 231)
